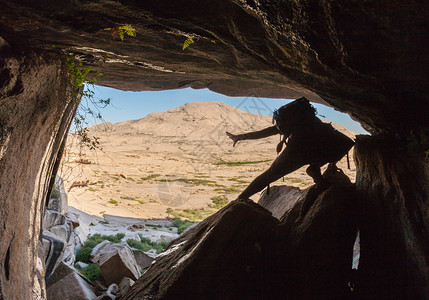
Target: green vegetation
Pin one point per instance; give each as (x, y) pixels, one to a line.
(112, 201)
(132, 199)
(121, 31)
(229, 190)
(84, 252)
(239, 163)
(238, 180)
(92, 272)
(129, 198)
(91, 189)
(191, 181)
(149, 177)
(55, 193)
(146, 244)
(219, 202)
(193, 215)
(154, 225)
(181, 225)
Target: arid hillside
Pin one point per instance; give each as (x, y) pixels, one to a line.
(174, 163)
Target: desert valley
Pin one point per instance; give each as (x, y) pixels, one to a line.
(178, 163)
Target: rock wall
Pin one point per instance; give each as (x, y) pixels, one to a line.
(393, 188)
(368, 59)
(35, 114)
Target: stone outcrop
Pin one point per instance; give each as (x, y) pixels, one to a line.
(281, 199)
(35, 114)
(244, 252)
(143, 260)
(66, 283)
(63, 232)
(394, 250)
(116, 262)
(218, 259)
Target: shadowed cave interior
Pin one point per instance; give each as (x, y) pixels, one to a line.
(367, 60)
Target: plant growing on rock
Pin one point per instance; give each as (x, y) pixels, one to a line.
(92, 272)
(83, 79)
(121, 31)
(84, 252)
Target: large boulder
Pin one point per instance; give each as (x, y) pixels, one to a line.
(142, 259)
(59, 202)
(316, 237)
(320, 244)
(66, 283)
(221, 258)
(280, 200)
(53, 218)
(53, 251)
(116, 261)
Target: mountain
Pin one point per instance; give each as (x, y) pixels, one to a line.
(177, 160)
(195, 121)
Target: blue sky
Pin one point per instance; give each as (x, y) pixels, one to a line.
(135, 105)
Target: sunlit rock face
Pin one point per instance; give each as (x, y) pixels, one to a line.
(35, 114)
(364, 58)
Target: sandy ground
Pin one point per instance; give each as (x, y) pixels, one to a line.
(173, 161)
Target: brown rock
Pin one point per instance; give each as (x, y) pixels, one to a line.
(116, 262)
(321, 242)
(72, 286)
(142, 259)
(217, 259)
(125, 285)
(394, 227)
(280, 199)
(35, 113)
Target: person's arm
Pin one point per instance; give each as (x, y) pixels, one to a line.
(253, 135)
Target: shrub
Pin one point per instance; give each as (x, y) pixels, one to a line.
(181, 225)
(92, 272)
(85, 251)
(83, 254)
(55, 193)
(112, 201)
(139, 245)
(219, 202)
(146, 244)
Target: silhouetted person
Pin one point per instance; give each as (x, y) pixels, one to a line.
(308, 141)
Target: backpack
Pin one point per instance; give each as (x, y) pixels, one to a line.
(291, 115)
(287, 117)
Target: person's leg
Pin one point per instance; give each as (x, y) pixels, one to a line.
(284, 164)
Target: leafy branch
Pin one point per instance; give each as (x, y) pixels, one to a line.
(121, 31)
(83, 80)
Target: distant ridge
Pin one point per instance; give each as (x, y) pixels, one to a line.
(194, 120)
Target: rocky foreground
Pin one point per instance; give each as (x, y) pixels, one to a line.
(307, 234)
(97, 256)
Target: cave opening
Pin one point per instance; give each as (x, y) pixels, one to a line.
(157, 171)
(170, 149)
(368, 60)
